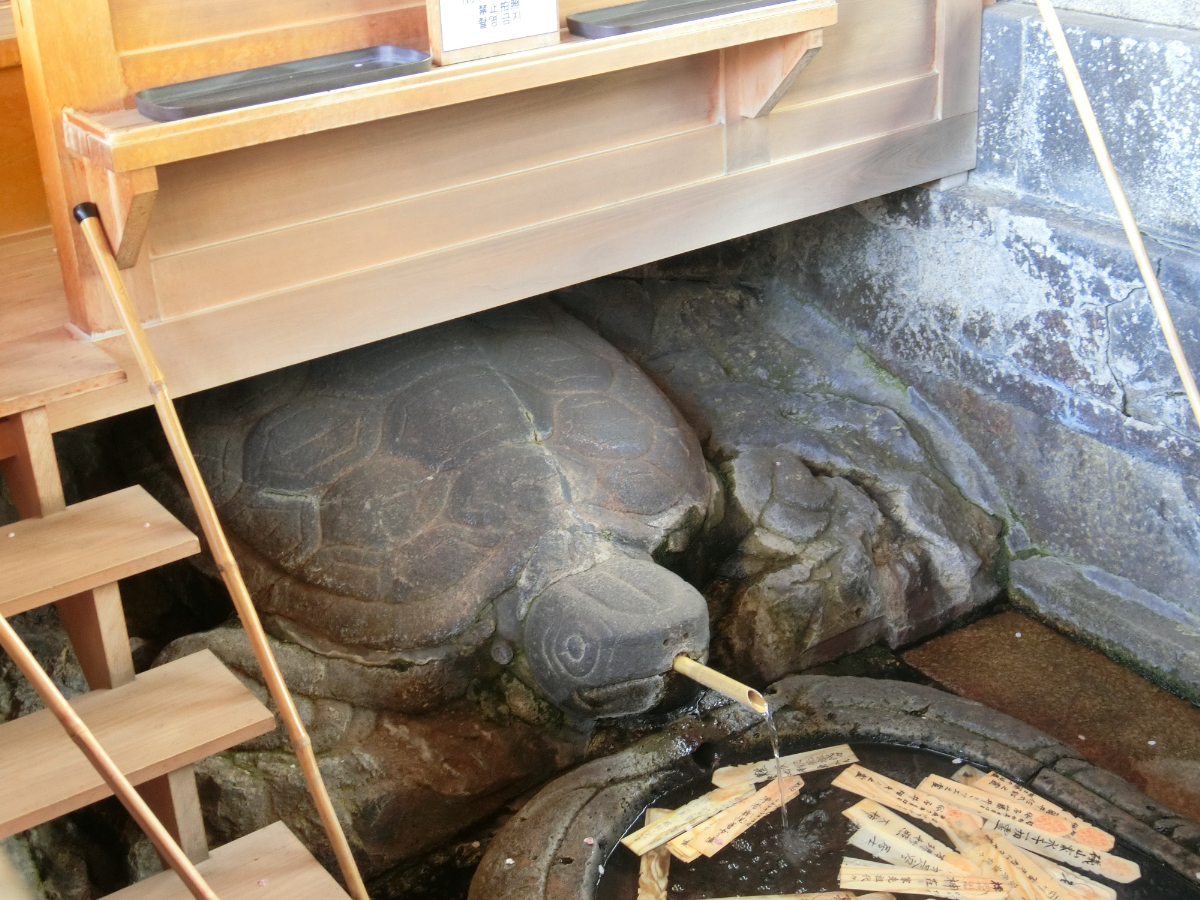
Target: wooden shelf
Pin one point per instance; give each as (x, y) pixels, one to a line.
(125, 140)
(169, 717)
(88, 545)
(269, 864)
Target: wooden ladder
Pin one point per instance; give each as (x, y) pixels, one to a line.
(155, 725)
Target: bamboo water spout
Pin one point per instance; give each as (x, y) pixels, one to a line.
(711, 678)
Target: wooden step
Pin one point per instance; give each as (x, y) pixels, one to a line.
(269, 864)
(49, 366)
(40, 360)
(88, 545)
(166, 718)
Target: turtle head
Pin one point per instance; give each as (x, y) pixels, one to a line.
(601, 643)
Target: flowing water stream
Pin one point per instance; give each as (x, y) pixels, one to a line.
(774, 734)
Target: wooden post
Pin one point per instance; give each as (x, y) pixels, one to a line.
(1128, 221)
(69, 58)
(175, 801)
(89, 219)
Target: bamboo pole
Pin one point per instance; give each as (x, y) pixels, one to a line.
(1092, 127)
(711, 678)
(102, 762)
(88, 217)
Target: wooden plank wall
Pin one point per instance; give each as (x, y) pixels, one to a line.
(875, 74)
(22, 198)
(261, 257)
(165, 41)
(277, 217)
(280, 216)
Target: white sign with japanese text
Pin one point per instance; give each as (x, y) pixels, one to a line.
(471, 23)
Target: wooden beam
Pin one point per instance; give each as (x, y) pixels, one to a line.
(69, 59)
(32, 471)
(95, 621)
(126, 200)
(754, 78)
(8, 439)
(768, 69)
(956, 56)
(287, 327)
(174, 800)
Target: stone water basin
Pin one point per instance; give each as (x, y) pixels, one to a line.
(900, 730)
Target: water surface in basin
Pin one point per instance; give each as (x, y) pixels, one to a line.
(766, 860)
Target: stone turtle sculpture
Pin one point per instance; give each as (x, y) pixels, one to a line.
(508, 478)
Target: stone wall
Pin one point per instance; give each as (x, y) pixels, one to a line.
(1014, 307)
(1180, 13)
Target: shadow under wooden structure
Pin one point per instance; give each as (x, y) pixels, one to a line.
(263, 236)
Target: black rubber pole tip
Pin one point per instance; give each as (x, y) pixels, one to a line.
(86, 211)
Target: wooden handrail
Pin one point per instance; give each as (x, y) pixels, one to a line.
(102, 762)
(1121, 201)
(89, 219)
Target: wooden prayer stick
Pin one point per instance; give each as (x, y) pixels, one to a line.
(662, 830)
(711, 678)
(102, 762)
(795, 764)
(1090, 125)
(654, 871)
(88, 217)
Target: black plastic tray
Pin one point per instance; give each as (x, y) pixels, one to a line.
(279, 82)
(598, 23)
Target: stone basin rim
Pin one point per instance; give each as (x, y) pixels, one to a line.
(602, 798)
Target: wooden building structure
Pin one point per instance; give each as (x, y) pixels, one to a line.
(260, 237)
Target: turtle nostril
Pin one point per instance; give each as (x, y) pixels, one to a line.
(706, 755)
(666, 641)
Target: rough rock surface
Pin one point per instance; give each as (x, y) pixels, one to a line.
(1142, 629)
(452, 536)
(413, 757)
(1013, 308)
(1180, 13)
(1143, 83)
(852, 512)
(406, 500)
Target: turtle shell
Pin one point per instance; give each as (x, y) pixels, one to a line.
(407, 497)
